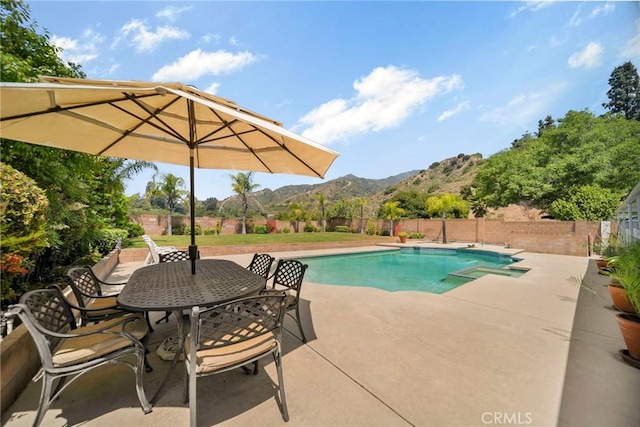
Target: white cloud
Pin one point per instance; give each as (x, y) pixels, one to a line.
(575, 19)
(136, 33)
(532, 6)
(82, 50)
(382, 100)
(197, 63)
(589, 57)
(632, 48)
(211, 38)
(523, 109)
(233, 41)
(171, 13)
(457, 109)
(602, 10)
(212, 88)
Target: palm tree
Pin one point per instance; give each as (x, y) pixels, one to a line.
(392, 211)
(172, 189)
(360, 201)
(321, 202)
(242, 184)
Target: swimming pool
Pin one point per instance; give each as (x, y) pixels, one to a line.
(411, 269)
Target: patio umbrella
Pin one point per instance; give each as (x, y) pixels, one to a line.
(161, 122)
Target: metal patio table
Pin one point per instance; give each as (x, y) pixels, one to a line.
(170, 286)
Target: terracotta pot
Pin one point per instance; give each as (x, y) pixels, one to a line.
(403, 239)
(619, 298)
(601, 263)
(630, 329)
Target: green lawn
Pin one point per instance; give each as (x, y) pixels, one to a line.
(249, 239)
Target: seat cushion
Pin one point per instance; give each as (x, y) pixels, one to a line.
(82, 349)
(110, 302)
(104, 307)
(213, 359)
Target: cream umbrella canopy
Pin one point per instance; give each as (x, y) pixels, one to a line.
(159, 122)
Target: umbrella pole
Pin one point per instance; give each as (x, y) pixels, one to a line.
(193, 248)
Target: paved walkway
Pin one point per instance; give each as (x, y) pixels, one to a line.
(491, 352)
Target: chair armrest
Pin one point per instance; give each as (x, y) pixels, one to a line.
(276, 292)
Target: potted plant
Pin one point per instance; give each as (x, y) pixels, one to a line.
(403, 236)
(626, 273)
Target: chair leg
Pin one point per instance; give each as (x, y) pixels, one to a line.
(142, 397)
(277, 357)
(304, 339)
(165, 317)
(45, 398)
(193, 399)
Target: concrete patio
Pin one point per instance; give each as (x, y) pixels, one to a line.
(495, 351)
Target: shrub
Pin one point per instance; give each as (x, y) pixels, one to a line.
(261, 229)
(343, 229)
(286, 230)
(371, 227)
(309, 228)
(134, 229)
(107, 239)
(22, 225)
(187, 230)
(416, 236)
(210, 231)
(179, 230)
(384, 233)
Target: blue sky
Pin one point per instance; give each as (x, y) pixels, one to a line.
(391, 86)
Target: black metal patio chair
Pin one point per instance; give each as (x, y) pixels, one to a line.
(288, 275)
(261, 264)
(67, 351)
(231, 335)
(87, 288)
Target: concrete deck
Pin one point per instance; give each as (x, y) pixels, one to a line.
(491, 352)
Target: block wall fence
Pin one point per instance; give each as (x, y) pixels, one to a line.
(543, 236)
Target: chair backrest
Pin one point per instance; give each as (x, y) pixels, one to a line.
(237, 321)
(261, 264)
(289, 274)
(152, 249)
(84, 284)
(174, 256)
(44, 311)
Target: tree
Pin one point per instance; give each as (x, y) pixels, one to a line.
(392, 211)
(171, 188)
(624, 94)
(321, 203)
(361, 201)
(547, 123)
(116, 171)
(26, 54)
(242, 184)
(587, 203)
(447, 205)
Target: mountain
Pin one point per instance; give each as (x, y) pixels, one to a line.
(446, 176)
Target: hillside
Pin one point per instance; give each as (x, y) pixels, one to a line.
(448, 175)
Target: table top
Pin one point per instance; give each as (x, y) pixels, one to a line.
(171, 286)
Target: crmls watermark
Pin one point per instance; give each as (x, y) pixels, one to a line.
(504, 418)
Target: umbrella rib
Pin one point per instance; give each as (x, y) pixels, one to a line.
(238, 135)
(59, 109)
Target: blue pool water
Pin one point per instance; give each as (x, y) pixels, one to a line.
(412, 269)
